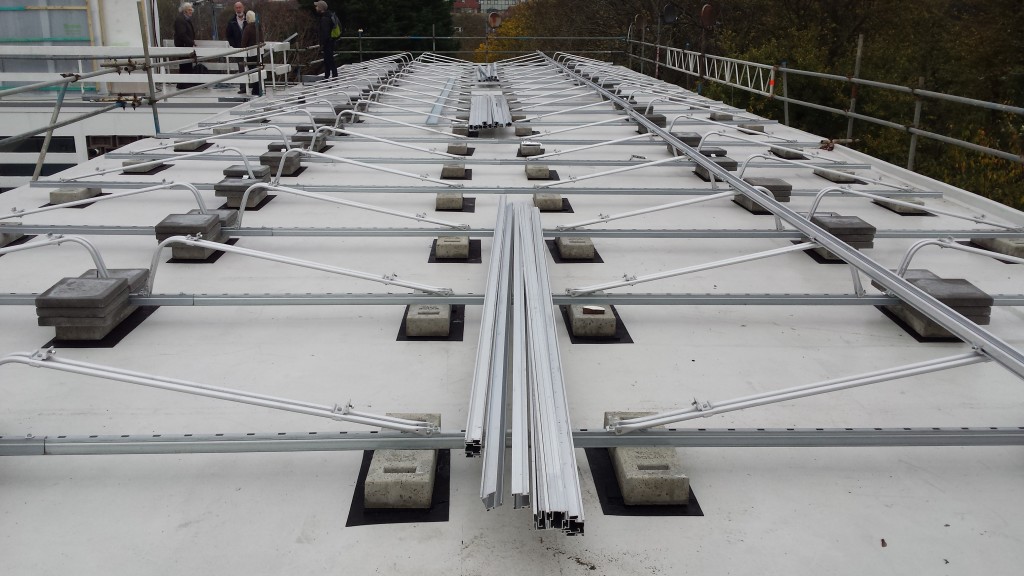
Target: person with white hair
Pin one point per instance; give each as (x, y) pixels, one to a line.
(184, 36)
(325, 23)
(251, 37)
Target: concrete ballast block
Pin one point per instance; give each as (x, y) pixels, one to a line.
(547, 201)
(458, 148)
(453, 171)
(523, 130)
(1008, 246)
(62, 195)
(402, 478)
(575, 247)
(448, 201)
(537, 172)
(721, 116)
(452, 247)
(901, 209)
(428, 320)
(648, 475)
(591, 321)
(530, 149)
(136, 166)
(188, 145)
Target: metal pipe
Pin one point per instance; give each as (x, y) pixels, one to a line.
(144, 28)
(18, 138)
(949, 243)
(57, 240)
(622, 215)
(853, 87)
(706, 409)
(49, 132)
(114, 196)
(633, 280)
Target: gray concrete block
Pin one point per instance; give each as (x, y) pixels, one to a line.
(224, 129)
(575, 247)
(753, 127)
(788, 153)
(62, 195)
(453, 171)
(458, 148)
(1009, 246)
(648, 475)
(233, 199)
(308, 141)
(954, 292)
(135, 166)
(720, 116)
(844, 226)
(750, 205)
(187, 224)
(292, 162)
(228, 218)
(523, 130)
(658, 119)
(8, 237)
(900, 209)
(537, 172)
(725, 162)
(83, 293)
(591, 321)
(712, 151)
(460, 130)
(452, 247)
(195, 252)
(93, 332)
(777, 186)
(448, 201)
(688, 138)
(428, 320)
(530, 149)
(188, 145)
(237, 185)
(836, 175)
(79, 316)
(402, 478)
(240, 171)
(547, 201)
(136, 277)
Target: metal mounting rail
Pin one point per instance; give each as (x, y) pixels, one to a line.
(223, 443)
(986, 342)
(555, 490)
(46, 358)
(390, 280)
(482, 373)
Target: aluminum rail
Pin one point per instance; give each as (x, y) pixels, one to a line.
(57, 240)
(477, 417)
(46, 358)
(114, 196)
(350, 203)
(492, 480)
(519, 374)
(263, 442)
(557, 499)
(1000, 351)
(389, 280)
(703, 409)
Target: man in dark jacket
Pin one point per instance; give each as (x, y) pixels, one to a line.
(184, 36)
(324, 26)
(233, 32)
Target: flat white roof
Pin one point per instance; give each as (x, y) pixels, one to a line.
(708, 336)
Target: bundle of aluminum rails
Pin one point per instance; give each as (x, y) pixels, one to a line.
(487, 72)
(518, 358)
(489, 111)
(555, 488)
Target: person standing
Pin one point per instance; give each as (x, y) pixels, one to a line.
(233, 32)
(251, 37)
(325, 23)
(184, 36)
